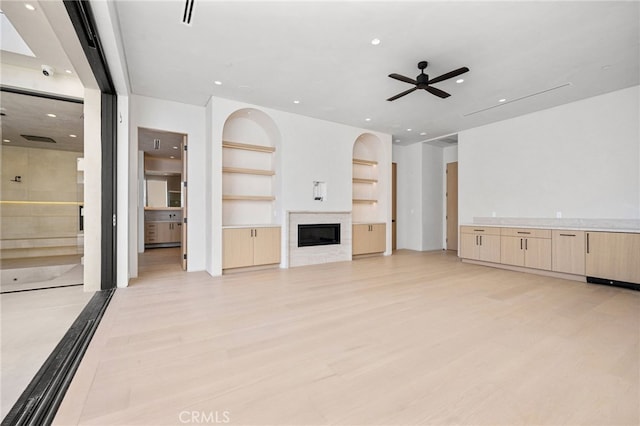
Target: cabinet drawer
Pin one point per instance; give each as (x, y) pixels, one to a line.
(480, 230)
(526, 232)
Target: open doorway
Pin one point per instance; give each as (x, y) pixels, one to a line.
(162, 162)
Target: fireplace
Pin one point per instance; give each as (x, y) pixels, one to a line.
(318, 234)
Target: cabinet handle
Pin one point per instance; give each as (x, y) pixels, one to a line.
(477, 241)
(520, 243)
(480, 239)
(256, 233)
(587, 243)
(252, 233)
(479, 230)
(525, 233)
(567, 235)
(526, 244)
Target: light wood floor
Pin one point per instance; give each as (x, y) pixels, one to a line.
(414, 338)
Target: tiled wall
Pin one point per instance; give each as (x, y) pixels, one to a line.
(40, 213)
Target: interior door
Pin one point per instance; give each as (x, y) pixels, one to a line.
(452, 206)
(183, 243)
(394, 204)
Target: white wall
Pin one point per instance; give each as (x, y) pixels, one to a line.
(179, 118)
(581, 159)
(409, 196)
(311, 150)
(432, 204)
(92, 193)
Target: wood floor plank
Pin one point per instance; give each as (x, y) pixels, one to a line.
(414, 338)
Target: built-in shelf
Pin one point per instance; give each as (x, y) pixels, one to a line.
(364, 162)
(362, 180)
(248, 171)
(248, 197)
(248, 147)
(363, 201)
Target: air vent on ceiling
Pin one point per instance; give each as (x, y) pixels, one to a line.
(188, 10)
(519, 99)
(38, 138)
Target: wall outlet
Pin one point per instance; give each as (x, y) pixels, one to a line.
(558, 215)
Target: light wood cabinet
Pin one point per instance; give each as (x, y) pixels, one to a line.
(162, 232)
(613, 256)
(530, 248)
(568, 252)
(480, 243)
(244, 247)
(368, 238)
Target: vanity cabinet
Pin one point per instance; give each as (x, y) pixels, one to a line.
(568, 251)
(242, 247)
(162, 232)
(613, 256)
(480, 243)
(530, 248)
(369, 238)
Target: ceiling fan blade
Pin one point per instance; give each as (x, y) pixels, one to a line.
(440, 93)
(399, 95)
(449, 75)
(403, 78)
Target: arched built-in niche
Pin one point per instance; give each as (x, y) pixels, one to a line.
(249, 169)
(367, 152)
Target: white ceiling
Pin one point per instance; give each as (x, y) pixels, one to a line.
(28, 115)
(319, 53)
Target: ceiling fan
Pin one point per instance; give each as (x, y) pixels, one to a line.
(422, 81)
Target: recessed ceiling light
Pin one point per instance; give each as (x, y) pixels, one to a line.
(460, 80)
(175, 147)
(172, 157)
(217, 83)
(30, 7)
(408, 130)
(367, 119)
(68, 71)
(502, 100)
(606, 67)
(51, 115)
(72, 136)
(423, 133)
(375, 41)
(296, 102)
(397, 140)
(6, 140)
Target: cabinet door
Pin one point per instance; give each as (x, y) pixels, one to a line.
(176, 232)
(237, 248)
(378, 238)
(568, 252)
(469, 246)
(360, 239)
(512, 251)
(614, 256)
(490, 248)
(537, 253)
(164, 232)
(266, 246)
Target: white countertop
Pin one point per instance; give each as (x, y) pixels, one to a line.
(566, 228)
(251, 226)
